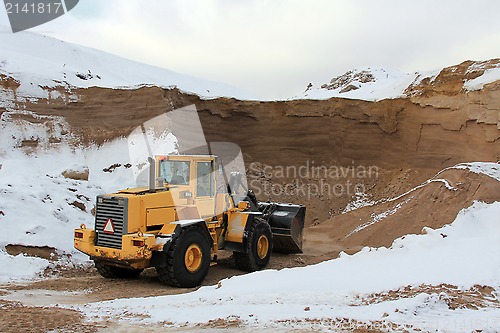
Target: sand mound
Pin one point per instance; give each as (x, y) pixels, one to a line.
(432, 204)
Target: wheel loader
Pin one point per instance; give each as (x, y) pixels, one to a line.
(182, 220)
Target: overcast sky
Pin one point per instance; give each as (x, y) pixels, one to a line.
(274, 48)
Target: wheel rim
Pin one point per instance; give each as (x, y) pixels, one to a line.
(192, 258)
(262, 246)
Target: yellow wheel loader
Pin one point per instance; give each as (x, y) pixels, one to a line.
(179, 223)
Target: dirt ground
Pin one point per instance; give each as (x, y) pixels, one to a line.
(34, 306)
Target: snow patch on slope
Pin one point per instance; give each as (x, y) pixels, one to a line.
(487, 168)
(364, 83)
(359, 200)
(371, 84)
(379, 217)
(489, 75)
(41, 207)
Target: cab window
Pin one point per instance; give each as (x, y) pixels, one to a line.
(175, 172)
(205, 184)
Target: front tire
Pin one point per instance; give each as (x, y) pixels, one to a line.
(112, 272)
(188, 260)
(258, 247)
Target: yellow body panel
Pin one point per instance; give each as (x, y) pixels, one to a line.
(130, 255)
(236, 227)
(159, 216)
(141, 203)
(136, 190)
(167, 229)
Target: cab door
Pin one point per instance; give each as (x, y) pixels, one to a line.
(205, 188)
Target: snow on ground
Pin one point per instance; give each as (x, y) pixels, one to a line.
(41, 207)
(57, 63)
(20, 267)
(456, 254)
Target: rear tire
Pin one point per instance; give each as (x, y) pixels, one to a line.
(188, 260)
(258, 247)
(112, 272)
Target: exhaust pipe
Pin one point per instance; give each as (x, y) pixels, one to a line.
(152, 175)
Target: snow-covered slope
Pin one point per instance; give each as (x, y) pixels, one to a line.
(427, 270)
(43, 198)
(490, 75)
(363, 83)
(39, 63)
(40, 66)
(374, 84)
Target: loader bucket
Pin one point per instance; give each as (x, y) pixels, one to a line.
(287, 224)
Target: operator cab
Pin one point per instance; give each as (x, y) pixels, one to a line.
(191, 174)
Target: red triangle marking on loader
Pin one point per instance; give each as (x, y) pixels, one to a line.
(109, 227)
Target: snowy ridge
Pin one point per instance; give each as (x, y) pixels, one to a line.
(338, 288)
(57, 67)
(363, 83)
(489, 75)
(60, 64)
(373, 84)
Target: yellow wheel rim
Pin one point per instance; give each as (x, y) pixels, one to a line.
(262, 246)
(192, 258)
